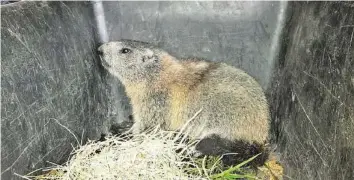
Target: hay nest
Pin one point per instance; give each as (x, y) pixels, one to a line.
(153, 154)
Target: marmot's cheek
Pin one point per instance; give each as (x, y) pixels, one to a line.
(105, 63)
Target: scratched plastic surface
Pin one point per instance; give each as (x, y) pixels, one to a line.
(301, 53)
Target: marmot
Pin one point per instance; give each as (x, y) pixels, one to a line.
(167, 91)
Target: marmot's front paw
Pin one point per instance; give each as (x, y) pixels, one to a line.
(194, 153)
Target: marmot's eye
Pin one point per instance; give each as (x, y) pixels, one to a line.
(125, 51)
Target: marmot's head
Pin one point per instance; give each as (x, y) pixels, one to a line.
(131, 60)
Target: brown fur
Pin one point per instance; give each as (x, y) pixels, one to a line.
(179, 79)
(187, 73)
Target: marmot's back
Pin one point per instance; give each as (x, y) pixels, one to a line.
(234, 106)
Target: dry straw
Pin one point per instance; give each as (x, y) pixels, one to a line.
(153, 154)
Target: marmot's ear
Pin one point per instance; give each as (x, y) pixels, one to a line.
(149, 56)
(149, 53)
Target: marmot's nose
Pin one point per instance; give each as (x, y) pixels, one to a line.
(100, 51)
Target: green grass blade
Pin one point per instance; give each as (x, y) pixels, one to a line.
(247, 161)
